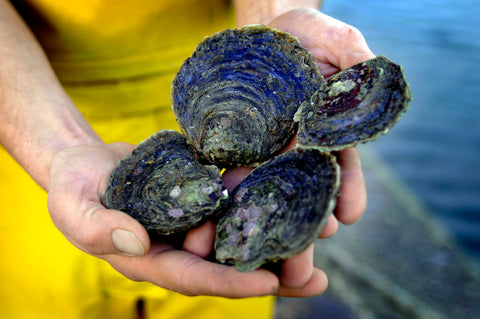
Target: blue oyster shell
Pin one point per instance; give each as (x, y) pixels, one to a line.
(162, 185)
(236, 96)
(237, 100)
(279, 209)
(354, 105)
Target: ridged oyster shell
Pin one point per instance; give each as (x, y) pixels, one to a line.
(278, 209)
(235, 97)
(162, 185)
(355, 105)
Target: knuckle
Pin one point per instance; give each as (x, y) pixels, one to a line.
(90, 238)
(352, 34)
(90, 241)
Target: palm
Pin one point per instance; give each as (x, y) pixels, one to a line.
(80, 175)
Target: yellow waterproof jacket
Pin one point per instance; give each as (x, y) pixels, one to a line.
(116, 59)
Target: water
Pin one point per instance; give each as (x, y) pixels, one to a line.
(435, 148)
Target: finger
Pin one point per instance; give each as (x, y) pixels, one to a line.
(315, 286)
(330, 228)
(96, 230)
(74, 205)
(290, 145)
(188, 274)
(233, 177)
(334, 44)
(353, 195)
(199, 241)
(297, 270)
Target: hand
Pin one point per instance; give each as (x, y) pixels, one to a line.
(335, 46)
(80, 174)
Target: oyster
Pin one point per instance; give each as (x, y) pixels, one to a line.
(278, 209)
(238, 101)
(235, 97)
(355, 105)
(162, 185)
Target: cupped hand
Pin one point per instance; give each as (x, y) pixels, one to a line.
(79, 175)
(335, 46)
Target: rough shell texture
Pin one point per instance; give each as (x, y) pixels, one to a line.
(162, 185)
(236, 96)
(355, 105)
(237, 100)
(279, 209)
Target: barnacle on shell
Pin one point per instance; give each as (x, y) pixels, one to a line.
(162, 185)
(235, 97)
(278, 209)
(354, 105)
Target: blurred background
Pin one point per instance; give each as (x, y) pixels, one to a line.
(435, 148)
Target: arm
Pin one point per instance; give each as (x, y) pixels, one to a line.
(38, 122)
(37, 118)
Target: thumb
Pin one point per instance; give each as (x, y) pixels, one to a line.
(94, 229)
(75, 207)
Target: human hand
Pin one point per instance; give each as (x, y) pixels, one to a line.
(334, 46)
(80, 174)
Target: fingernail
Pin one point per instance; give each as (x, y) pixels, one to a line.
(127, 243)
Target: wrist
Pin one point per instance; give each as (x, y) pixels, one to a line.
(37, 118)
(37, 132)
(70, 130)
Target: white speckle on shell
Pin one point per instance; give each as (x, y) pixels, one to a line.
(341, 87)
(176, 212)
(175, 192)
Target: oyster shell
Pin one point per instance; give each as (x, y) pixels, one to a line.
(162, 185)
(237, 100)
(354, 105)
(278, 209)
(235, 97)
